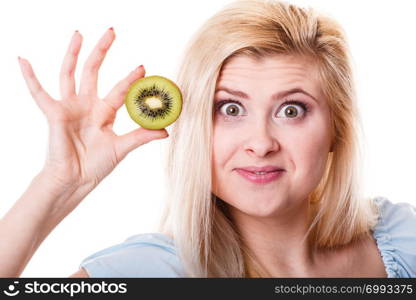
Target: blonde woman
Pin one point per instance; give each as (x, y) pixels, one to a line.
(263, 164)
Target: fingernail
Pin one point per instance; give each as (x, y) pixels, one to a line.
(111, 28)
(19, 58)
(139, 67)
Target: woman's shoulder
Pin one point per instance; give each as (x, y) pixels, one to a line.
(395, 234)
(141, 255)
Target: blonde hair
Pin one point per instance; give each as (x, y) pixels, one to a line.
(207, 241)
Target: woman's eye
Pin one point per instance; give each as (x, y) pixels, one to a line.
(291, 111)
(231, 109)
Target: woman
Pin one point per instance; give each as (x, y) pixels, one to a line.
(268, 185)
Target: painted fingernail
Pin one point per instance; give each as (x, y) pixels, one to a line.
(141, 67)
(111, 28)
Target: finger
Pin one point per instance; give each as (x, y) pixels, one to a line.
(42, 98)
(66, 77)
(130, 141)
(89, 76)
(117, 95)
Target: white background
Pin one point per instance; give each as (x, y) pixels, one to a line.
(154, 33)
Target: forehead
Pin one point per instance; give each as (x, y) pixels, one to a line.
(277, 70)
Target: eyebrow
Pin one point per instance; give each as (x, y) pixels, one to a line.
(275, 96)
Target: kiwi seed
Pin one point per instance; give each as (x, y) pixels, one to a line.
(154, 102)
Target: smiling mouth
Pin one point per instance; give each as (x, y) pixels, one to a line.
(260, 177)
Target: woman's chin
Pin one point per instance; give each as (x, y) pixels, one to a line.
(263, 208)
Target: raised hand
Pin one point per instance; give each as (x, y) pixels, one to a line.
(83, 147)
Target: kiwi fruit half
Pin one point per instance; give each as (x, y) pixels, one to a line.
(154, 102)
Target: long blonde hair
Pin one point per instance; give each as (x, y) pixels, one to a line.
(207, 241)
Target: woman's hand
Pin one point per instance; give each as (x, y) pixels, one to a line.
(83, 147)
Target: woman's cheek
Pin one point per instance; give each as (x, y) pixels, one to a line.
(311, 155)
(223, 140)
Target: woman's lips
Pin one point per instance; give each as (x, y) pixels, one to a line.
(260, 178)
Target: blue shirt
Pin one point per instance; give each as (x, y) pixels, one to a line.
(154, 254)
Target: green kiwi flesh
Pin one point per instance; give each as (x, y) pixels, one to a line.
(154, 102)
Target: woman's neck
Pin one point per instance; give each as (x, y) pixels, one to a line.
(279, 249)
(278, 243)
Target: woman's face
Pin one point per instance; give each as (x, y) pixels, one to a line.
(269, 113)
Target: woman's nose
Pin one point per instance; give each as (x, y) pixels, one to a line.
(261, 140)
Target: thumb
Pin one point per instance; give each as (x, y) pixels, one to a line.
(130, 141)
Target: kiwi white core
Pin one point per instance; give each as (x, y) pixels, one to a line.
(154, 103)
